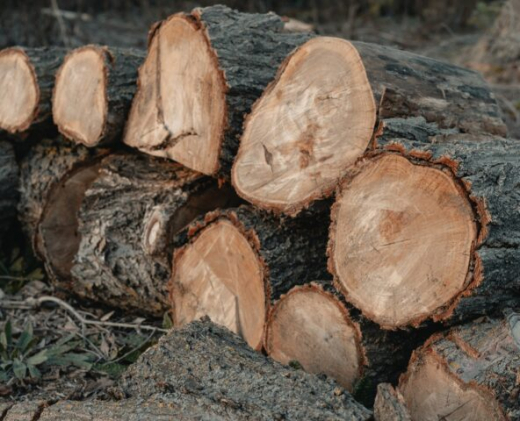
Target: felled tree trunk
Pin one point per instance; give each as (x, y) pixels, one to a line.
(237, 261)
(9, 184)
(469, 373)
(314, 327)
(318, 116)
(94, 90)
(427, 228)
(390, 405)
(43, 168)
(26, 82)
(203, 72)
(128, 220)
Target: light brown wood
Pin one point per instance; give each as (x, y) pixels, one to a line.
(310, 125)
(80, 104)
(310, 326)
(401, 240)
(180, 109)
(19, 90)
(219, 275)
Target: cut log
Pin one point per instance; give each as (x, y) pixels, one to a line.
(23, 411)
(313, 326)
(128, 221)
(202, 74)
(471, 373)
(429, 230)
(205, 362)
(93, 93)
(390, 405)
(26, 82)
(46, 164)
(9, 184)
(237, 261)
(317, 117)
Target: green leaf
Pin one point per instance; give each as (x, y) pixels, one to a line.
(167, 322)
(38, 358)
(17, 266)
(36, 275)
(3, 341)
(114, 370)
(19, 369)
(3, 377)
(79, 360)
(34, 372)
(25, 338)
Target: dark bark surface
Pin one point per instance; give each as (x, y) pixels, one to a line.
(484, 354)
(210, 364)
(9, 184)
(121, 66)
(45, 62)
(390, 405)
(490, 170)
(41, 170)
(128, 220)
(409, 85)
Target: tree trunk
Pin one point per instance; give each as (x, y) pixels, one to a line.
(313, 326)
(318, 116)
(204, 361)
(128, 220)
(469, 373)
(42, 169)
(26, 82)
(9, 184)
(390, 405)
(94, 90)
(427, 227)
(202, 74)
(237, 261)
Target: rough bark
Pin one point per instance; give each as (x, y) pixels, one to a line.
(382, 354)
(23, 411)
(9, 184)
(389, 405)
(209, 363)
(481, 358)
(45, 63)
(247, 49)
(127, 222)
(120, 76)
(41, 170)
(489, 170)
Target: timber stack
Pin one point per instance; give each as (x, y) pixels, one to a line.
(349, 209)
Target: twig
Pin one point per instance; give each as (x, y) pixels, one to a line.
(61, 23)
(132, 350)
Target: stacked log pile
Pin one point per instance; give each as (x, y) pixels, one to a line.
(383, 206)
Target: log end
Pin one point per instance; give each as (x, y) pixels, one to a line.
(220, 275)
(313, 328)
(20, 92)
(313, 122)
(80, 103)
(402, 241)
(187, 122)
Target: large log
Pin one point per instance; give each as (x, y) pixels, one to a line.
(237, 261)
(428, 227)
(128, 221)
(203, 72)
(94, 90)
(313, 326)
(26, 82)
(9, 184)
(470, 373)
(390, 405)
(317, 117)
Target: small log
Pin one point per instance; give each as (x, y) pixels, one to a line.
(203, 72)
(93, 93)
(26, 82)
(318, 116)
(204, 362)
(313, 326)
(45, 165)
(237, 261)
(128, 221)
(470, 373)
(390, 405)
(428, 228)
(9, 185)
